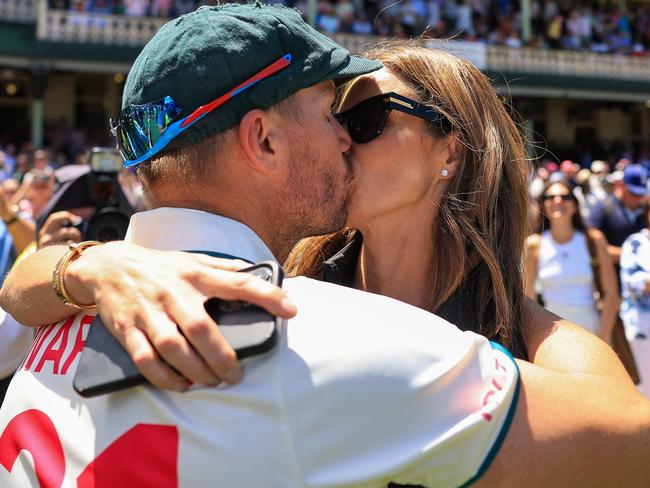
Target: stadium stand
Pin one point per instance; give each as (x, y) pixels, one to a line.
(577, 72)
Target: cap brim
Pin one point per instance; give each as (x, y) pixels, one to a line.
(639, 191)
(357, 66)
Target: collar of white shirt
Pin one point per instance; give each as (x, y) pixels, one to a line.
(184, 229)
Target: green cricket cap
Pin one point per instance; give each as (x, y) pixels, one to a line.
(203, 54)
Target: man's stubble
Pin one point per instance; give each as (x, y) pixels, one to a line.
(316, 192)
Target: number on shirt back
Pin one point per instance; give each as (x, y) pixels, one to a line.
(145, 455)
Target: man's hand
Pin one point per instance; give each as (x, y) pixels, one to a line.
(56, 229)
(153, 303)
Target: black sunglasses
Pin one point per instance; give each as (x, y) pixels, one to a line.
(366, 120)
(565, 198)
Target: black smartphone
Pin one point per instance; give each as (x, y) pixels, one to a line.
(105, 367)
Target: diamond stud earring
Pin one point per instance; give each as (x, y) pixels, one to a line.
(444, 172)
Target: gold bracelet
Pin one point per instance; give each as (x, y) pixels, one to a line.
(75, 250)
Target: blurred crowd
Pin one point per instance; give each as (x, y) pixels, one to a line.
(556, 24)
(575, 208)
(133, 8)
(30, 177)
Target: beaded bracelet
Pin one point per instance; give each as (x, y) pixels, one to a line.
(75, 250)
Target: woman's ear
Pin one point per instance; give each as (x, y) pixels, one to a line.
(259, 140)
(453, 153)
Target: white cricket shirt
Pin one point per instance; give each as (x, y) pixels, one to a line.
(361, 390)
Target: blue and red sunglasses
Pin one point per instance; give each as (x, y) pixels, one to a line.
(144, 130)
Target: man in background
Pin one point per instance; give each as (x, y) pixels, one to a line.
(622, 213)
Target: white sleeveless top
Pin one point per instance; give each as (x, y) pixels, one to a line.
(565, 272)
(566, 276)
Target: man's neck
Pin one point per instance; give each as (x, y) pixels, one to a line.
(243, 214)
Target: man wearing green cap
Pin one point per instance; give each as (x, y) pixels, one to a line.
(361, 390)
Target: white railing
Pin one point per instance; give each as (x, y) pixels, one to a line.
(22, 11)
(530, 61)
(568, 63)
(93, 28)
(64, 26)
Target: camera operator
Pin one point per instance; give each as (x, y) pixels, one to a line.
(94, 198)
(88, 203)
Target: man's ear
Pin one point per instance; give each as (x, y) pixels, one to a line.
(258, 139)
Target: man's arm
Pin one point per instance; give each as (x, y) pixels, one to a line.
(577, 407)
(145, 297)
(452, 398)
(574, 430)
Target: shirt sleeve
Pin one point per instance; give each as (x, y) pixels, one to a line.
(634, 276)
(596, 216)
(15, 341)
(395, 394)
(473, 440)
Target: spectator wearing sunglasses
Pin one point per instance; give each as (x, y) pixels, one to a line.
(560, 259)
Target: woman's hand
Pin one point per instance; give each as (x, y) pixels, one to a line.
(153, 303)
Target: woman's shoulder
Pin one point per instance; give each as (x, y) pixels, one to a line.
(533, 240)
(533, 243)
(595, 235)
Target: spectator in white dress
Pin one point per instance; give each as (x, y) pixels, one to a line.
(560, 259)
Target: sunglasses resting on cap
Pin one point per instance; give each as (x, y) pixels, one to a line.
(144, 130)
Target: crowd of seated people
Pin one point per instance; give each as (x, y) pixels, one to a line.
(555, 24)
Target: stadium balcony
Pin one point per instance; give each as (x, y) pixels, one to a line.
(564, 95)
(94, 28)
(546, 72)
(525, 71)
(19, 11)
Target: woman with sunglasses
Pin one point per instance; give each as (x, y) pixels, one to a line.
(438, 209)
(560, 259)
(437, 218)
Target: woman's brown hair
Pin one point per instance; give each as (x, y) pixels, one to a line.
(482, 216)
